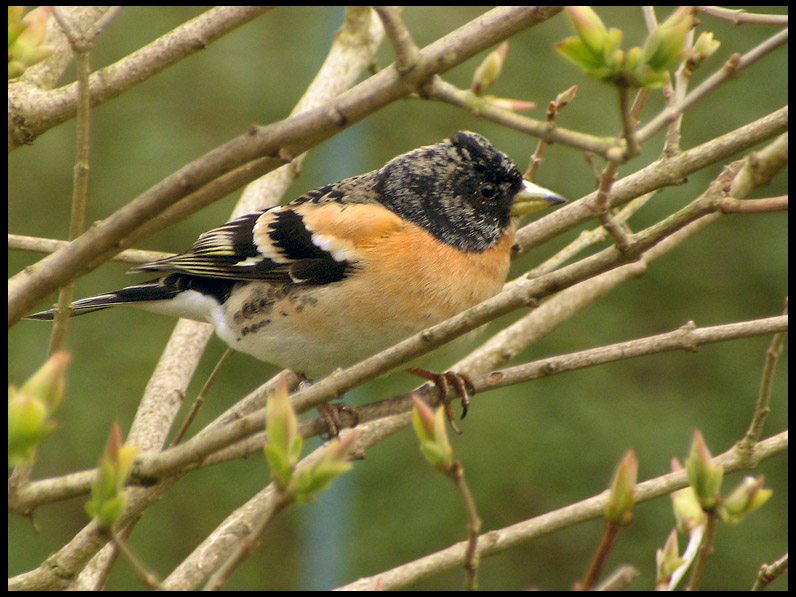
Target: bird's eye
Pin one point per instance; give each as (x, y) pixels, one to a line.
(487, 190)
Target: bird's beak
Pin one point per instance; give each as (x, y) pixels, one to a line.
(532, 197)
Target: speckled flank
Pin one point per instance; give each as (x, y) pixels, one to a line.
(266, 302)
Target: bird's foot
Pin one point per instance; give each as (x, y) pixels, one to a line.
(461, 384)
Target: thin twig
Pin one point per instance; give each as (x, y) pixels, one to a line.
(20, 242)
(762, 408)
(741, 16)
(769, 573)
(200, 398)
(440, 90)
(407, 54)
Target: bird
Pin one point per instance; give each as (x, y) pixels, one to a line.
(351, 267)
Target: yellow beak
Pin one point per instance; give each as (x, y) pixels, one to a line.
(532, 197)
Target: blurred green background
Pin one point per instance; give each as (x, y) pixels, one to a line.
(526, 450)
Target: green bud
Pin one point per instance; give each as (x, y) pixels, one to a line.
(27, 425)
(596, 50)
(747, 497)
(25, 39)
(432, 432)
(665, 45)
(621, 500)
(687, 511)
(49, 381)
(704, 47)
(668, 559)
(704, 476)
(30, 408)
(333, 461)
(284, 444)
(489, 70)
(108, 499)
(589, 28)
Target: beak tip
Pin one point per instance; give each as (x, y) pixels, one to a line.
(540, 192)
(533, 197)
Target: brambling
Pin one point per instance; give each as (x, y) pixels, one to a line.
(352, 267)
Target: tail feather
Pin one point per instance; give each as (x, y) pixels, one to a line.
(158, 289)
